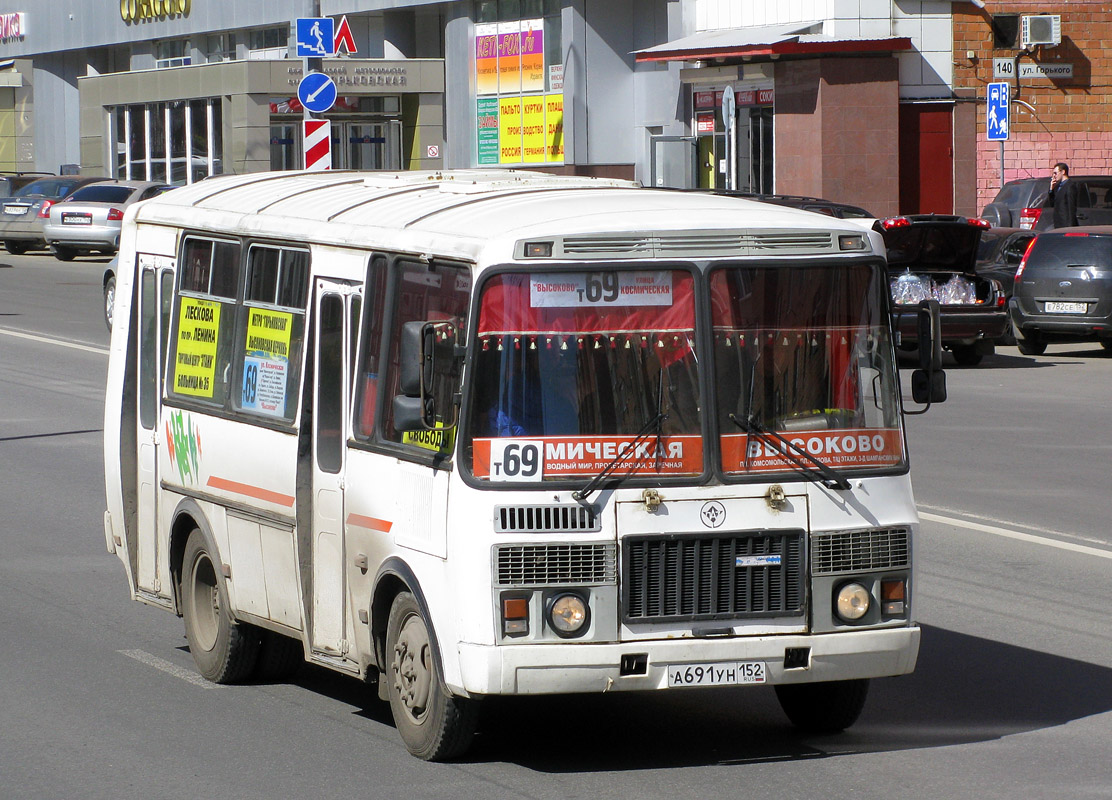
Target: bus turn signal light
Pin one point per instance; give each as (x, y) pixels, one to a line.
(893, 594)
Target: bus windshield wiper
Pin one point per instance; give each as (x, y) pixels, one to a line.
(831, 478)
(623, 453)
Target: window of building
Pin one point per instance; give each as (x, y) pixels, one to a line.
(172, 53)
(268, 43)
(220, 47)
(177, 142)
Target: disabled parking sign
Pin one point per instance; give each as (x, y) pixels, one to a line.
(996, 111)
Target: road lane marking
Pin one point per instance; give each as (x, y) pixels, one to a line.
(1017, 535)
(60, 342)
(144, 657)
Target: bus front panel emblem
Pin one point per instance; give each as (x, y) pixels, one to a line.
(713, 514)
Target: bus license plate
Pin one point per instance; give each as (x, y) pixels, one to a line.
(1065, 308)
(728, 673)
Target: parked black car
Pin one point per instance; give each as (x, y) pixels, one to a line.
(998, 257)
(1063, 289)
(1019, 203)
(935, 256)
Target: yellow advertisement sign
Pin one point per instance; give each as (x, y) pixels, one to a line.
(532, 128)
(554, 126)
(198, 334)
(509, 130)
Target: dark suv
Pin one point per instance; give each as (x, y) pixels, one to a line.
(932, 256)
(1019, 203)
(1063, 289)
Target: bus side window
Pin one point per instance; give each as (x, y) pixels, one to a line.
(366, 371)
(429, 293)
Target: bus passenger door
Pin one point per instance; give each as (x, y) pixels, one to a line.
(337, 308)
(156, 287)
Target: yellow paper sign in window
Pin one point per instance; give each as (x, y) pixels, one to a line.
(266, 361)
(532, 128)
(198, 334)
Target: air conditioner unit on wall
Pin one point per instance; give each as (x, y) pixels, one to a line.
(1044, 29)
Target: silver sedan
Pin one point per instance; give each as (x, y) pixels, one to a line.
(90, 219)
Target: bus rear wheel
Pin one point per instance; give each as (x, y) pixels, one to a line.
(223, 650)
(434, 725)
(828, 707)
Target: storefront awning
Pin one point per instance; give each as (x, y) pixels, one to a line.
(765, 40)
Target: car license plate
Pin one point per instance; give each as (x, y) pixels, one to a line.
(15, 211)
(76, 219)
(1053, 307)
(728, 673)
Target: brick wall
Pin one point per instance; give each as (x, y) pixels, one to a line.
(1071, 119)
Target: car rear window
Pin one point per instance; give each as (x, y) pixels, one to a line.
(97, 193)
(1070, 251)
(1012, 193)
(47, 188)
(933, 246)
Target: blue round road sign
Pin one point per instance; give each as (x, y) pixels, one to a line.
(317, 92)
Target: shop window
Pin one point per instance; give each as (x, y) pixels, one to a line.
(178, 142)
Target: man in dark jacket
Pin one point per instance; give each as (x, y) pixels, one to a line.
(1062, 197)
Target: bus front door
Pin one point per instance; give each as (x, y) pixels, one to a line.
(337, 312)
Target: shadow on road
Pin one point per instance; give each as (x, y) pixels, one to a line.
(965, 689)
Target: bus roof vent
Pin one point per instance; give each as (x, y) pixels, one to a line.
(791, 243)
(633, 244)
(549, 518)
(710, 244)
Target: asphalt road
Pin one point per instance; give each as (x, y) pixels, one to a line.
(1012, 697)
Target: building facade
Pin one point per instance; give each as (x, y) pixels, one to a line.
(863, 101)
(1061, 91)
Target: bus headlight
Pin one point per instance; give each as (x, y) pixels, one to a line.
(568, 615)
(852, 602)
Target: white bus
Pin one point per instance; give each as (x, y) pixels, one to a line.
(488, 433)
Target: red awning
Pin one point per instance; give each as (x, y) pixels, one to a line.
(765, 40)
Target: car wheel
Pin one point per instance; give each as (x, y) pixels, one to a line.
(64, 253)
(433, 724)
(109, 301)
(827, 707)
(967, 354)
(224, 650)
(1030, 343)
(16, 248)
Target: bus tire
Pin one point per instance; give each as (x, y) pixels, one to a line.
(433, 724)
(828, 707)
(224, 650)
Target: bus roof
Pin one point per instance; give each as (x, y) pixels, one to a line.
(465, 212)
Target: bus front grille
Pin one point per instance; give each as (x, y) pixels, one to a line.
(860, 551)
(695, 577)
(552, 518)
(554, 564)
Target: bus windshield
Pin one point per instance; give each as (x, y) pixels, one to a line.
(571, 366)
(804, 352)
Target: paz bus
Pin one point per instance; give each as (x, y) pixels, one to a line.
(481, 433)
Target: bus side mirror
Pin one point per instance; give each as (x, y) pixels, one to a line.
(426, 360)
(928, 383)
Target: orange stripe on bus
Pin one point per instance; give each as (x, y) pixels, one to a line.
(383, 525)
(251, 491)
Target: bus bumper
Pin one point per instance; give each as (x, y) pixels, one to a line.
(568, 668)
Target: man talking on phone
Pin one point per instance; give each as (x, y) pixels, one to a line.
(1062, 197)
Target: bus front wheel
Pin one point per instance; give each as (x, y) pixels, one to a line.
(433, 724)
(827, 707)
(223, 650)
